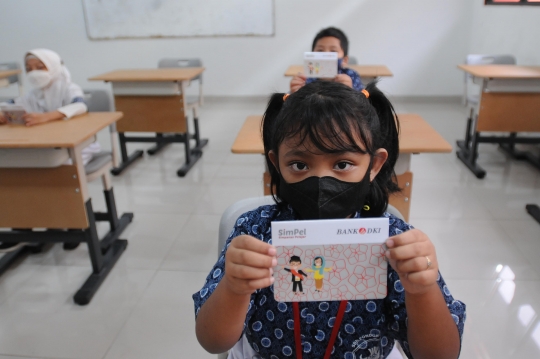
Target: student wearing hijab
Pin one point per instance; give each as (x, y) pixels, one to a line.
(53, 96)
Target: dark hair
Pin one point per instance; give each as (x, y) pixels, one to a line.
(332, 116)
(295, 259)
(333, 32)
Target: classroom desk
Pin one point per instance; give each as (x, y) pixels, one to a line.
(153, 100)
(4, 74)
(416, 136)
(56, 197)
(509, 103)
(367, 73)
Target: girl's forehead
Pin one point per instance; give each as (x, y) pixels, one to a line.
(305, 144)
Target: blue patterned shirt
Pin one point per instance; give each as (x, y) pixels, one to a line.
(369, 327)
(355, 77)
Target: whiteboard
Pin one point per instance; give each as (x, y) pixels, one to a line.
(113, 19)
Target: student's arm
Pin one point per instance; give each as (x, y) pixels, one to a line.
(73, 109)
(431, 330)
(35, 118)
(248, 267)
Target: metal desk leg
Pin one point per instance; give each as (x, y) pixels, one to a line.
(159, 145)
(126, 160)
(102, 263)
(192, 154)
(469, 156)
(199, 143)
(534, 211)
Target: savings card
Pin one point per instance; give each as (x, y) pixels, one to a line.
(321, 64)
(13, 113)
(321, 260)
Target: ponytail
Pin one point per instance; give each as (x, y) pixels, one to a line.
(275, 104)
(386, 135)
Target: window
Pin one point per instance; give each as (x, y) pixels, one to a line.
(512, 2)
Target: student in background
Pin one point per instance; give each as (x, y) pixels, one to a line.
(53, 96)
(332, 40)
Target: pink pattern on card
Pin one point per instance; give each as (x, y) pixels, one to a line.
(349, 271)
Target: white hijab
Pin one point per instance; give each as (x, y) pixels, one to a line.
(59, 92)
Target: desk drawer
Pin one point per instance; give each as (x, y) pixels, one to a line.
(146, 88)
(33, 157)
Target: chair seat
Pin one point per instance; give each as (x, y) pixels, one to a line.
(98, 160)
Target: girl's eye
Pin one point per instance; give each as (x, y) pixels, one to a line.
(299, 166)
(342, 166)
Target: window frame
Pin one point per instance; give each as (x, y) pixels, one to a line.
(520, 3)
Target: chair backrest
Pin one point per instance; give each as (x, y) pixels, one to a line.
(476, 59)
(231, 214)
(97, 100)
(353, 60)
(180, 62)
(11, 66)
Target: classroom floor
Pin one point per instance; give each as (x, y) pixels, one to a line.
(488, 248)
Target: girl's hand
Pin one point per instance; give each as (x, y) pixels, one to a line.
(248, 265)
(343, 79)
(297, 82)
(412, 255)
(34, 118)
(3, 119)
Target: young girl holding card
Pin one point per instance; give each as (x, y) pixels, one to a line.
(330, 151)
(53, 96)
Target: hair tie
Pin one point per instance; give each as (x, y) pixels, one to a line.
(366, 208)
(365, 92)
(285, 97)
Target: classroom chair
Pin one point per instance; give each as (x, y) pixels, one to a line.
(194, 62)
(14, 79)
(100, 101)
(475, 59)
(231, 214)
(353, 60)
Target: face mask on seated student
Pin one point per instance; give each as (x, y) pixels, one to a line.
(330, 151)
(331, 40)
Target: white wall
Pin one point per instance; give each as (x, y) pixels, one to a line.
(507, 30)
(421, 41)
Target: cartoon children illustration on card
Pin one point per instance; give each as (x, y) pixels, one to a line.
(297, 274)
(318, 268)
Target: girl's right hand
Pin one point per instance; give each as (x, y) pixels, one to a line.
(248, 265)
(3, 119)
(297, 82)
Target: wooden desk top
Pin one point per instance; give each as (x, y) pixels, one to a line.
(68, 133)
(8, 73)
(502, 71)
(151, 75)
(363, 70)
(417, 136)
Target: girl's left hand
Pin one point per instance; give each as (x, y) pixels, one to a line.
(34, 118)
(413, 257)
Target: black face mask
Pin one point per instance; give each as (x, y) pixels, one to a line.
(325, 197)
